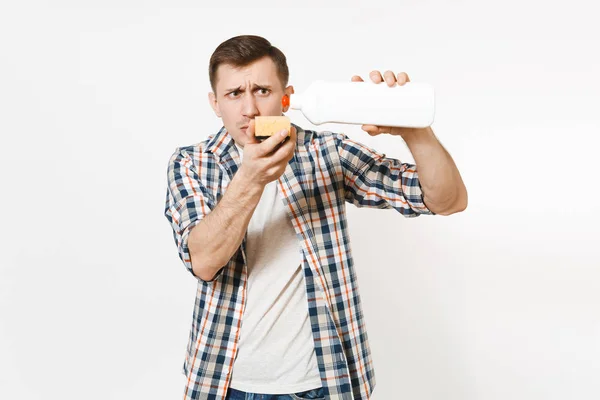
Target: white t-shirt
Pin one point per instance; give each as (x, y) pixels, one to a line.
(276, 349)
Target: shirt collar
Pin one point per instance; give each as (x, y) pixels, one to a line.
(222, 143)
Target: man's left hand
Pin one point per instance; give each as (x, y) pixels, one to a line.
(391, 80)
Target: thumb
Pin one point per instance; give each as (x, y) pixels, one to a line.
(250, 133)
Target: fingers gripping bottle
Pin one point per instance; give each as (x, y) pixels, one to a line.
(411, 105)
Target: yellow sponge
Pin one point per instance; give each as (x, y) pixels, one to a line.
(265, 127)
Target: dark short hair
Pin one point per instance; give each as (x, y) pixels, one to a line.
(240, 51)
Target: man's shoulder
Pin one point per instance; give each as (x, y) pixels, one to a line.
(195, 151)
(340, 142)
(312, 137)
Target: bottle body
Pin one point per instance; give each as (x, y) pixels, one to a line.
(411, 105)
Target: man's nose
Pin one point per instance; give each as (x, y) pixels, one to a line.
(249, 108)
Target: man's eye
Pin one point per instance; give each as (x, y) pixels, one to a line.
(264, 91)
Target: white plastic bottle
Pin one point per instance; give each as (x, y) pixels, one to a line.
(411, 105)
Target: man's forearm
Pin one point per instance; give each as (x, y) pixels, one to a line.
(214, 240)
(443, 189)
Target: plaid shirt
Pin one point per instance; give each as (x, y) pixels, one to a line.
(328, 170)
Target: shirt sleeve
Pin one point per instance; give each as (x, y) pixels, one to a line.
(373, 180)
(187, 203)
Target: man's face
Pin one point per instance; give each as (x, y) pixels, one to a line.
(243, 93)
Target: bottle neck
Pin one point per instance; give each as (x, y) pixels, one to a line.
(296, 101)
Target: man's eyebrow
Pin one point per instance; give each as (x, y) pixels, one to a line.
(255, 86)
(234, 89)
(262, 86)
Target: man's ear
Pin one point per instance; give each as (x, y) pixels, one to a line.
(212, 99)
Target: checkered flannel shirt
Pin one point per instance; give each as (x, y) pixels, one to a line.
(328, 170)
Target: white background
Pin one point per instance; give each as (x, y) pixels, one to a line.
(499, 302)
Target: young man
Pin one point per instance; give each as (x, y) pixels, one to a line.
(262, 226)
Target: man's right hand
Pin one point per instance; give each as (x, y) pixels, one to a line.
(265, 161)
